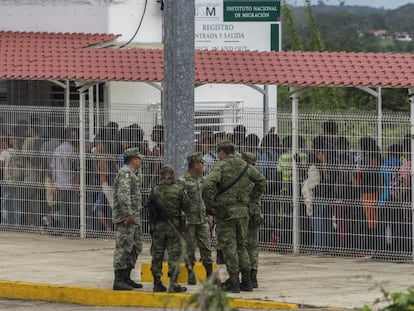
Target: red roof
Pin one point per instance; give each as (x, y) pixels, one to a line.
(64, 56)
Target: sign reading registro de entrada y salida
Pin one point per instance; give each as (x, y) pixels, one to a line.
(238, 25)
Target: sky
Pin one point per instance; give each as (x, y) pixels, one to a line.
(387, 4)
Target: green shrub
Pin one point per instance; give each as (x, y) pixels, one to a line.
(399, 301)
(210, 297)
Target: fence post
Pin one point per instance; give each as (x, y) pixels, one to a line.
(91, 114)
(411, 99)
(82, 165)
(265, 109)
(295, 181)
(296, 93)
(67, 103)
(379, 115)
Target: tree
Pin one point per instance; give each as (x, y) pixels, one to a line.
(295, 43)
(315, 38)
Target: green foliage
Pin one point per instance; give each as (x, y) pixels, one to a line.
(210, 297)
(293, 42)
(399, 301)
(315, 38)
(339, 28)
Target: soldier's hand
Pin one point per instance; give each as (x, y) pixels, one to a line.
(210, 222)
(129, 220)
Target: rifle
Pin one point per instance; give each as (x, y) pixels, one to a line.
(157, 213)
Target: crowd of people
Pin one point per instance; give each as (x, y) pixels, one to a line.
(351, 200)
(354, 201)
(40, 174)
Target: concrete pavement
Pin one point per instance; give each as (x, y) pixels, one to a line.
(40, 267)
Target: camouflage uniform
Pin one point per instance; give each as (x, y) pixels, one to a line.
(255, 220)
(166, 227)
(231, 209)
(127, 201)
(197, 231)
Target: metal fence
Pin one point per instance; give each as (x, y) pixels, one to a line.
(342, 191)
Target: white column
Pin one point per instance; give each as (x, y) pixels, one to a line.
(295, 178)
(265, 109)
(379, 117)
(82, 167)
(411, 99)
(91, 114)
(67, 103)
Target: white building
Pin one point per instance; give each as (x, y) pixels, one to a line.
(138, 21)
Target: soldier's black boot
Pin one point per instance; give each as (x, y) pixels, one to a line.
(120, 282)
(174, 286)
(131, 282)
(219, 257)
(253, 276)
(209, 269)
(231, 285)
(191, 275)
(158, 286)
(246, 283)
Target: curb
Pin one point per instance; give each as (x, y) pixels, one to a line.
(104, 297)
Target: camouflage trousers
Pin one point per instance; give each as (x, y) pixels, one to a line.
(165, 237)
(128, 246)
(253, 245)
(231, 236)
(198, 234)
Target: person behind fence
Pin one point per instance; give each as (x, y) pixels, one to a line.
(319, 192)
(284, 214)
(5, 156)
(251, 144)
(255, 221)
(388, 202)
(126, 218)
(268, 157)
(107, 167)
(208, 150)
(166, 205)
(369, 185)
(157, 157)
(65, 177)
(11, 204)
(330, 131)
(226, 198)
(197, 231)
(239, 136)
(346, 194)
(32, 213)
(53, 140)
(400, 190)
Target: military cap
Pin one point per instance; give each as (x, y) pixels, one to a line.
(225, 144)
(249, 158)
(133, 152)
(166, 168)
(195, 157)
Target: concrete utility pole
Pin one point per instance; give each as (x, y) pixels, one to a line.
(178, 96)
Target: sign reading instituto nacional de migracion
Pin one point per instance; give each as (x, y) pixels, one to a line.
(238, 25)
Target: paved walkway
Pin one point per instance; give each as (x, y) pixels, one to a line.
(83, 268)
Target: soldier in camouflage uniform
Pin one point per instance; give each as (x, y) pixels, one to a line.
(126, 218)
(225, 196)
(197, 230)
(255, 220)
(165, 208)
